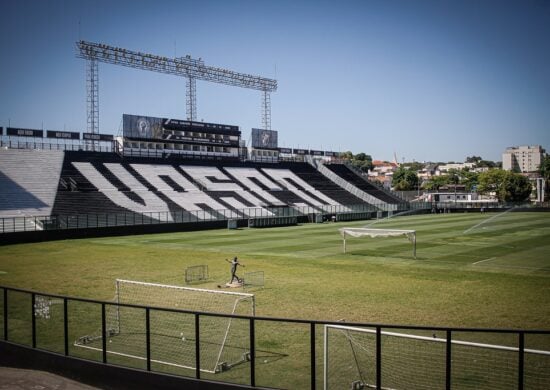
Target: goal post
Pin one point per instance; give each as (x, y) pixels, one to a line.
(368, 232)
(253, 279)
(196, 273)
(223, 340)
(410, 361)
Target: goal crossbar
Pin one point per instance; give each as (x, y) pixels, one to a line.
(373, 233)
(202, 290)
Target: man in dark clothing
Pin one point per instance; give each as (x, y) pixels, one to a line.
(234, 264)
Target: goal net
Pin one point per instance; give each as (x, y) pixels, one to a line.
(223, 340)
(368, 232)
(196, 273)
(253, 279)
(419, 362)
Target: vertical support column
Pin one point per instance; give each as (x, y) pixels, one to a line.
(252, 338)
(197, 347)
(191, 98)
(378, 358)
(5, 314)
(521, 360)
(148, 338)
(266, 110)
(313, 357)
(103, 334)
(33, 319)
(92, 98)
(65, 326)
(448, 361)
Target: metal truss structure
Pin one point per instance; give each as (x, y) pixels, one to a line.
(92, 98)
(188, 67)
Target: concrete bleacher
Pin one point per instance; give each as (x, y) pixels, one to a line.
(167, 186)
(28, 181)
(97, 185)
(351, 177)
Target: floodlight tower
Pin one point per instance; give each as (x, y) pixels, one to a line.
(190, 68)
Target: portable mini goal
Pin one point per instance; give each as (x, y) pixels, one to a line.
(196, 274)
(368, 232)
(253, 279)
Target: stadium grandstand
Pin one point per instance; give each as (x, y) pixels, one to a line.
(166, 170)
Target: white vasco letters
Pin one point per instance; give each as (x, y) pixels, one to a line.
(241, 187)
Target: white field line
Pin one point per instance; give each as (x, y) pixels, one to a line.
(481, 261)
(487, 220)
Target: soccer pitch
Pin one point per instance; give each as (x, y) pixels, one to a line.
(472, 269)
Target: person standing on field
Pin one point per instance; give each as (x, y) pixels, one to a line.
(234, 264)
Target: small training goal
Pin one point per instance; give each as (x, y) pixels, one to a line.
(368, 232)
(172, 334)
(196, 274)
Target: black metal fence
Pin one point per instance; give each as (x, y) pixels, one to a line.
(366, 211)
(47, 144)
(285, 353)
(99, 220)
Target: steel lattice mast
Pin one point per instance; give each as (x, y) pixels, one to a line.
(188, 67)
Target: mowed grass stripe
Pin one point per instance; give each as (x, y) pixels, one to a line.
(308, 276)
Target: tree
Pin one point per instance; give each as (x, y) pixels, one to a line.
(404, 179)
(486, 164)
(473, 159)
(361, 160)
(480, 162)
(469, 179)
(544, 171)
(346, 155)
(516, 188)
(436, 182)
(507, 186)
(544, 168)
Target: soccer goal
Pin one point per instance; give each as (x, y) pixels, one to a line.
(253, 279)
(196, 273)
(419, 362)
(368, 232)
(172, 335)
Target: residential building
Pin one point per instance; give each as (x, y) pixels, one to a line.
(522, 159)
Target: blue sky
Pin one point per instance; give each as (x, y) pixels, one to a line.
(427, 80)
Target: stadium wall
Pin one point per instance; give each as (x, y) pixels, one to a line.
(100, 375)
(65, 234)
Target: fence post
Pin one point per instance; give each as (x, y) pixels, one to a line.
(103, 333)
(197, 347)
(65, 327)
(313, 357)
(521, 361)
(252, 354)
(378, 358)
(33, 319)
(448, 361)
(5, 314)
(148, 338)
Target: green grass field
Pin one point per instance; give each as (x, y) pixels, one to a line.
(472, 270)
(495, 275)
